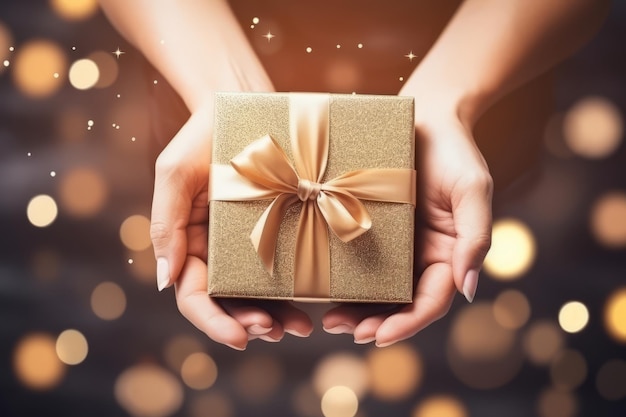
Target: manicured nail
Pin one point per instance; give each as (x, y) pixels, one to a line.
(470, 283)
(163, 274)
(339, 329)
(385, 344)
(296, 333)
(236, 347)
(269, 339)
(257, 329)
(365, 340)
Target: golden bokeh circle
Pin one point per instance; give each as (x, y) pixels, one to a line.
(542, 342)
(135, 232)
(72, 347)
(615, 315)
(107, 66)
(34, 68)
(511, 309)
(147, 390)
(556, 403)
(36, 363)
(573, 316)
(74, 10)
(84, 74)
(512, 250)
(440, 406)
(611, 380)
(395, 372)
(593, 127)
(568, 369)
(179, 348)
(339, 401)
(82, 192)
(199, 371)
(108, 301)
(341, 368)
(608, 220)
(217, 402)
(42, 210)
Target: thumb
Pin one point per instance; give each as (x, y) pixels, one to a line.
(171, 207)
(472, 223)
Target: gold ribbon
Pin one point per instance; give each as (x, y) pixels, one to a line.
(263, 171)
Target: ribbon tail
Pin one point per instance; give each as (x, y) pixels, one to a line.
(346, 216)
(312, 266)
(264, 236)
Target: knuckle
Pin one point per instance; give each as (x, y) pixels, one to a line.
(159, 233)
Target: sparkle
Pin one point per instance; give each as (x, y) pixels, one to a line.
(118, 96)
(130, 261)
(89, 123)
(155, 82)
(53, 174)
(133, 139)
(401, 78)
(29, 154)
(251, 26)
(55, 75)
(255, 20)
(117, 52)
(11, 48)
(6, 63)
(73, 48)
(411, 55)
(269, 35)
(309, 50)
(338, 46)
(360, 46)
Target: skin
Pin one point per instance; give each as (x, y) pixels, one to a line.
(466, 71)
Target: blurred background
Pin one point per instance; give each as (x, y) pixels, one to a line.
(83, 330)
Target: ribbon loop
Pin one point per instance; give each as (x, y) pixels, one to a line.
(262, 170)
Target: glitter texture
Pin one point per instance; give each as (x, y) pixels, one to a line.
(365, 132)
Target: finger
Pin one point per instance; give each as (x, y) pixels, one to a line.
(346, 317)
(433, 298)
(258, 323)
(294, 321)
(472, 223)
(203, 311)
(180, 178)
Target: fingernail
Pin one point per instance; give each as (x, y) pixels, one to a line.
(239, 348)
(470, 283)
(365, 340)
(269, 339)
(163, 273)
(339, 329)
(385, 344)
(257, 329)
(296, 333)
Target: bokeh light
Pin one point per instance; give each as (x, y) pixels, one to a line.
(593, 127)
(615, 315)
(511, 309)
(84, 74)
(135, 232)
(35, 362)
(573, 316)
(217, 402)
(611, 380)
(568, 370)
(147, 390)
(6, 40)
(512, 250)
(143, 267)
(42, 210)
(71, 347)
(342, 368)
(395, 371)
(476, 335)
(608, 220)
(199, 371)
(179, 348)
(45, 264)
(542, 342)
(556, 403)
(82, 192)
(34, 66)
(440, 406)
(74, 9)
(108, 301)
(258, 377)
(482, 353)
(339, 401)
(107, 66)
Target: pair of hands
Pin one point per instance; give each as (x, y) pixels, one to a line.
(455, 216)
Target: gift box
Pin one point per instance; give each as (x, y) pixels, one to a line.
(312, 197)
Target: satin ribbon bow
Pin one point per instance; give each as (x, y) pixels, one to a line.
(263, 171)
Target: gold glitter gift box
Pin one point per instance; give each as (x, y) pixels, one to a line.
(312, 197)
